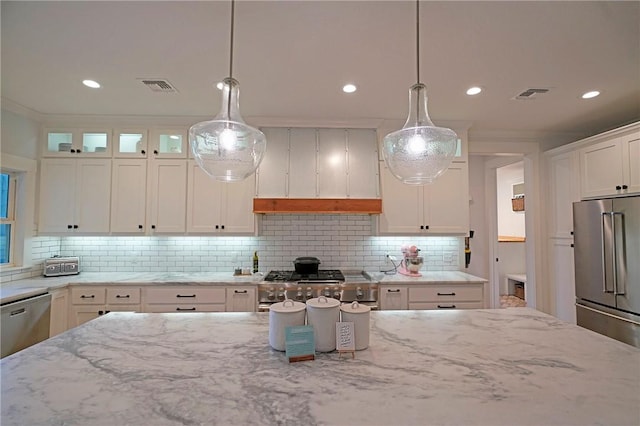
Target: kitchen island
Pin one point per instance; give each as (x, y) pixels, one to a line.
(464, 367)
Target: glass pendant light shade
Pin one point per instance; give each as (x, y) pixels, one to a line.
(227, 148)
(419, 152)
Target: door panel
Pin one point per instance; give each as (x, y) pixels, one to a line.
(628, 244)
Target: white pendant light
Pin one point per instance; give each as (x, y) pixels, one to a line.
(227, 148)
(419, 152)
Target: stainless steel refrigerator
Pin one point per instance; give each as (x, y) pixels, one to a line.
(607, 267)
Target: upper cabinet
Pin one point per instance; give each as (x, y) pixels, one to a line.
(60, 142)
(130, 143)
(168, 143)
(167, 196)
(319, 163)
(74, 196)
(611, 167)
(439, 208)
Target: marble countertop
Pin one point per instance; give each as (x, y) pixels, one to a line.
(15, 290)
(512, 366)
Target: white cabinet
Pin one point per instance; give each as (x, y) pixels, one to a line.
(128, 196)
(611, 167)
(123, 298)
(447, 296)
(167, 196)
(319, 163)
(215, 207)
(59, 312)
(76, 143)
(184, 299)
(168, 143)
(563, 278)
(241, 299)
(74, 196)
(88, 303)
(130, 143)
(393, 298)
(439, 208)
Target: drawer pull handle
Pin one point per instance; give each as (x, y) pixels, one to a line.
(396, 290)
(240, 291)
(88, 297)
(189, 295)
(446, 306)
(446, 294)
(185, 309)
(18, 312)
(122, 297)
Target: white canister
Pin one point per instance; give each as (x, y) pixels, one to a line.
(359, 315)
(283, 315)
(323, 313)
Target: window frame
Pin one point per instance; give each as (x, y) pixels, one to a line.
(11, 215)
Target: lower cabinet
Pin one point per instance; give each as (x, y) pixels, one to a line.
(433, 296)
(241, 299)
(58, 322)
(184, 299)
(88, 303)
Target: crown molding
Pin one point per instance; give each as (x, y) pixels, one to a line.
(16, 108)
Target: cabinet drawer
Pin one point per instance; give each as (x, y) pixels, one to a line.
(185, 307)
(445, 305)
(449, 293)
(88, 296)
(186, 295)
(123, 295)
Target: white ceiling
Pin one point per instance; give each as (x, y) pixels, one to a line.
(292, 58)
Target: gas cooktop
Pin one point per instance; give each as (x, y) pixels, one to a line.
(322, 275)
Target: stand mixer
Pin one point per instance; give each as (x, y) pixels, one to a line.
(411, 262)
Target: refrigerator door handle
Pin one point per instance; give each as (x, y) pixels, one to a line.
(608, 241)
(619, 266)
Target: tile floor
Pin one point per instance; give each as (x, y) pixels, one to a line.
(509, 301)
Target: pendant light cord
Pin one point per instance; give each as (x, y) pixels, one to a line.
(233, 9)
(418, 41)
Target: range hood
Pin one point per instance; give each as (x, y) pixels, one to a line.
(318, 205)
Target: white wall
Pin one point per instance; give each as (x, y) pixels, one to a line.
(19, 135)
(510, 223)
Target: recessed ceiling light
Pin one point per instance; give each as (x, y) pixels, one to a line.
(91, 83)
(591, 94)
(174, 136)
(474, 90)
(349, 88)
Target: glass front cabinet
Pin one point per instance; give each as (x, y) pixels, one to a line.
(168, 143)
(77, 142)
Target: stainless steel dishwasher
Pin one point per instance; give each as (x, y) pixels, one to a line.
(24, 323)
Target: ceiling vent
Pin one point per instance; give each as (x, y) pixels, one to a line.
(159, 85)
(531, 94)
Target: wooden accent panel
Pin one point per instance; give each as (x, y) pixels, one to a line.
(317, 205)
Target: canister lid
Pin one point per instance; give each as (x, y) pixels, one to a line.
(355, 308)
(288, 306)
(323, 302)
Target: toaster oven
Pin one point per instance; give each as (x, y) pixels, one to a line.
(57, 266)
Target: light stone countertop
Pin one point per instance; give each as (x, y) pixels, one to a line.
(513, 366)
(15, 290)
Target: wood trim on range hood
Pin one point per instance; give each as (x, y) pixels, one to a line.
(318, 205)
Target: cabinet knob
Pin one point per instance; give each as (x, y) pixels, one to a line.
(155, 151)
(153, 227)
(72, 150)
(69, 226)
(426, 227)
(79, 151)
(143, 152)
(421, 226)
(221, 226)
(217, 227)
(618, 187)
(625, 187)
(571, 244)
(139, 226)
(75, 226)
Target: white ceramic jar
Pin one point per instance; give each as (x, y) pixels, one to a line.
(283, 315)
(359, 315)
(323, 313)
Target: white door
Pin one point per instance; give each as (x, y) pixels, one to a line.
(203, 201)
(93, 196)
(168, 196)
(128, 196)
(57, 195)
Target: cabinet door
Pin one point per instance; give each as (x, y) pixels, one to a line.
(600, 171)
(57, 195)
(93, 196)
(84, 313)
(273, 173)
(562, 192)
(128, 195)
(563, 278)
(303, 163)
(167, 196)
(631, 166)
(241, 299)
(362, 164)
(401, 211)
(446, 208)
(394, 298)
(332, 163)
(168, 143)
(237, 207)
(131, 143)
(59, 312)
(203, 201)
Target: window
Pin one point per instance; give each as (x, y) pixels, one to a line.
(7, 217)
